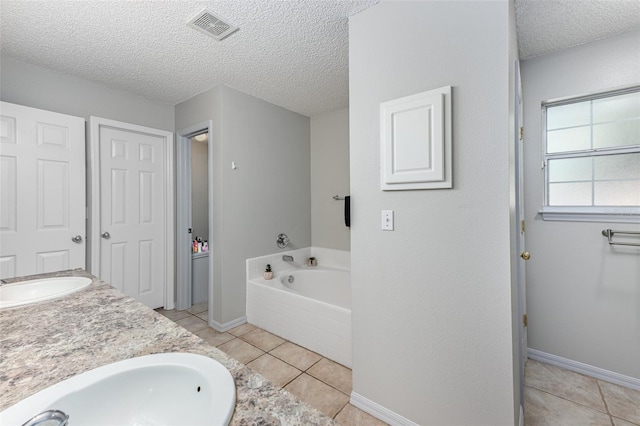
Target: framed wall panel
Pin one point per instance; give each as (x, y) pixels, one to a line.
(415, 141)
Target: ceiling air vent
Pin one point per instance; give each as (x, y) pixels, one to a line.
(207, 22)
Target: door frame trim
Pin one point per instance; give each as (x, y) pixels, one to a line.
(183, 211)
(93, 176)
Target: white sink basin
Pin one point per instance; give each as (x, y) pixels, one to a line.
(26, 292)
(162, 389)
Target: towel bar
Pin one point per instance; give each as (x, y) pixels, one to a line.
(609, 234)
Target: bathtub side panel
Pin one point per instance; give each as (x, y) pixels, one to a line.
(317, 326)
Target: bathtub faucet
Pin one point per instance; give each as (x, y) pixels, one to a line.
(287, 258)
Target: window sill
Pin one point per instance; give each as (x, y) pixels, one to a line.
(576, 214)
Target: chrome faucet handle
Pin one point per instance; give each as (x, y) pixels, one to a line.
(282, 241)
(48, 416)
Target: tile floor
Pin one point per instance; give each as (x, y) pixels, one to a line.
(553, 396)
(320, 382)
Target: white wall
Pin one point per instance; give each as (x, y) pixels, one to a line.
(329, 177)
(266, 195)
(37, 87)
(200, 189)
(583, 297)
(432, 316)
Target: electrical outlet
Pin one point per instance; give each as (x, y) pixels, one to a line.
(387, 220)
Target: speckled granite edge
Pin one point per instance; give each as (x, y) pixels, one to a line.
(50, 341)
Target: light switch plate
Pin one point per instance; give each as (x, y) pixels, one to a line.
(387, 220)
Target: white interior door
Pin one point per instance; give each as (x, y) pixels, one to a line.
(42, 191)
(135, 207)
(522, 253)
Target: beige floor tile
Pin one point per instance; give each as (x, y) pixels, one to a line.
(204, 315)
(543, 409)
(333, 374)
(564, 383)
(352, 416)
(240, 350)
(262, 339)
(296, 355)
(620, 422)
(242, 329)
(318, 394)
(192, 323)
(174, 315)
(279, 372)
(198, 308)
(213, 337)
(623, 402)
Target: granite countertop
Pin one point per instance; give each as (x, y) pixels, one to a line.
(50, 341)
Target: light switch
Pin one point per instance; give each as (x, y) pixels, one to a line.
(387, 220)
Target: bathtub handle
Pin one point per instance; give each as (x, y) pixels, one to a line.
(282, 241)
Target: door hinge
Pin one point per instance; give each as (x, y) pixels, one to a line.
(522, 226)
(521, 133)
(524, 320)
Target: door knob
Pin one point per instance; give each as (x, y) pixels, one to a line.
(77, 239)
(106, 235)
(525, 255)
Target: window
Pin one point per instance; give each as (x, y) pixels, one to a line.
(592, 157)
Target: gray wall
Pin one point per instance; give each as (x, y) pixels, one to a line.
(200, 189)
(583, 296)
(432, 316)
(266, 195)
(195, 111)
(38, 87)
(329, 177)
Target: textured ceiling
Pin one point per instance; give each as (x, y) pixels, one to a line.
(290, 53)
(546, 26)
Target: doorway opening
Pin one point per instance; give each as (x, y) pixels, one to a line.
(193, 237)
(200, 218)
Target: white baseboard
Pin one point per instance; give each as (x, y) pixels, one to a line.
(521, 419)
(587, 370)
(228, 325)
(379, 412)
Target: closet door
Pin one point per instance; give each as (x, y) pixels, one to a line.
(42, 191)
(133, 209)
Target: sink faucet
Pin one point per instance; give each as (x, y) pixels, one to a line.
(287, 258)
(47, 417)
